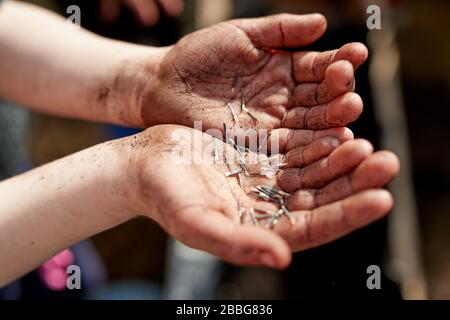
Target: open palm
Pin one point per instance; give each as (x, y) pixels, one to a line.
(245, 62)
(333, 183)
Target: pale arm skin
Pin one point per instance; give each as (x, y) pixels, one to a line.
(59, 204)
(51, 67)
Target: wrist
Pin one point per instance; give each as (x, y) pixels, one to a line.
(146, 165)
(133, 171)
(134, 76)
(117, 167)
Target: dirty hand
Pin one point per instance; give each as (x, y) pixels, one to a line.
(334, 185)
(246, 61)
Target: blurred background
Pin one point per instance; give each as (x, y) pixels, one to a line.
(405, 86)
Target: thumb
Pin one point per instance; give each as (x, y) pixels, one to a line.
(265, 247)
(215, 233)
(283, 30)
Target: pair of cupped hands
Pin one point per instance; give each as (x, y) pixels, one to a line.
(303, 98)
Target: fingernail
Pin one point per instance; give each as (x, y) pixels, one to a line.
(331, 141)
(267, 260)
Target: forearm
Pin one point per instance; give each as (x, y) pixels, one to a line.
(52, 207)
(50, 67)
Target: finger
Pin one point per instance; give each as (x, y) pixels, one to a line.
(109, 10)
(304, 155)
(285, 139)
(239, 244)
(146, 11)
(172, 7)
(339, 162)
(337, 113)
(374, 172)
(330, 222)
(283, 30)
(311, 66)
(339, 79)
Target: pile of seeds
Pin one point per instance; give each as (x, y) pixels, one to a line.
(261, 192)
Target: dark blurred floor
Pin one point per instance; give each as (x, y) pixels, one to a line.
(425, 52)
